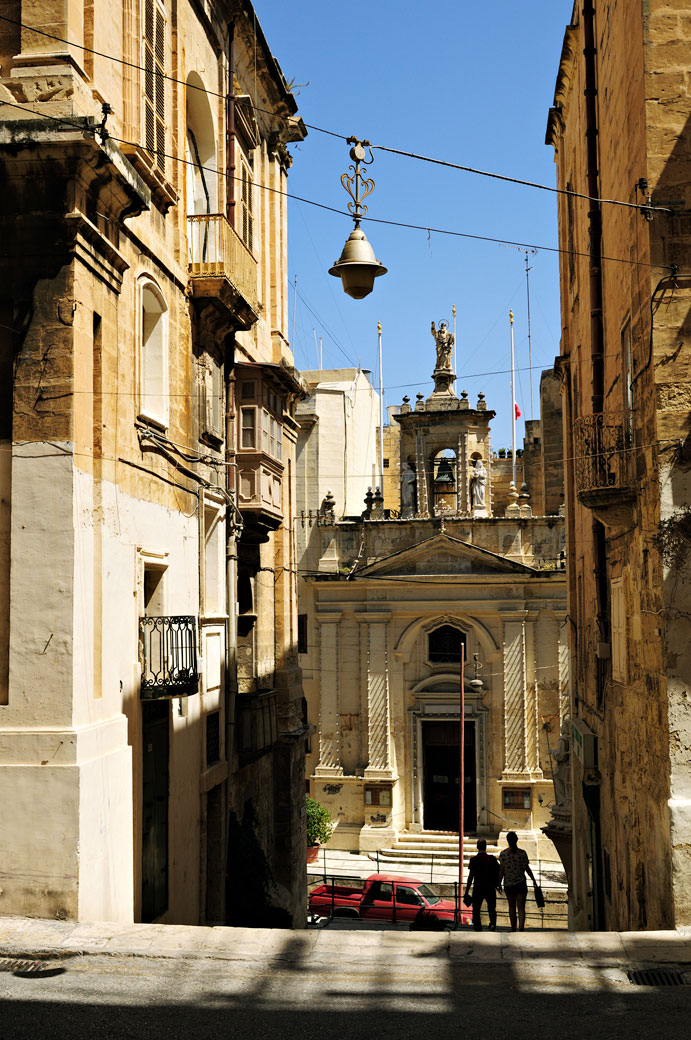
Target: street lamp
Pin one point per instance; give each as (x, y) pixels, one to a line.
(357, 266)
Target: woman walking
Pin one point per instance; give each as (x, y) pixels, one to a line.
(513, 867)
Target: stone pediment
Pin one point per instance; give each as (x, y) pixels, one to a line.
(440, 556)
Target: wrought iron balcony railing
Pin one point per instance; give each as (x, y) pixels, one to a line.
(603, 454)
(216, 250)
(169, 656)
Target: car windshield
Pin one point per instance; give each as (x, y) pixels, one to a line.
(429, 894)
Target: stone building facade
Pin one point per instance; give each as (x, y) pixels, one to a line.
(391, 597)
(151, 724)
(620, 128)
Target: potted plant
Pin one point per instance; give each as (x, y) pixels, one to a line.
(319, 827)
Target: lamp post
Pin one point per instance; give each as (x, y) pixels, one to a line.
(476, 683)
(357, 266)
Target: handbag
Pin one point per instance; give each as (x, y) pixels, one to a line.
(539, 897)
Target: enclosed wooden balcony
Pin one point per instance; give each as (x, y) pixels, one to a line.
(604, 465)
(222, 269)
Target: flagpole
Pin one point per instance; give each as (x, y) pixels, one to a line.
(513, 405)
(381, 415)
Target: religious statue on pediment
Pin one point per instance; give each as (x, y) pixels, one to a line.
(444, 341)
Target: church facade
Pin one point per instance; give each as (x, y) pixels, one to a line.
(455, 568)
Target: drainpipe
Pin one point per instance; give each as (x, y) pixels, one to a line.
(233, 530)
(594, 213)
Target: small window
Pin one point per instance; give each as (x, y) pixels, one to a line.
(211, 399)
(213, 560)
(302, 633)
(386, 463)
(445, 644)
(154, 355)
(408, 896)
(378, 796)
(248, 430)
(248, 390)
(380, 891)
(516, 798)
(213, 737)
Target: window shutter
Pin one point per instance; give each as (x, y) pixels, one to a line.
(247, 218)
(154, 82)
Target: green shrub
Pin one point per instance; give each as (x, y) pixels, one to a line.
(319, 825)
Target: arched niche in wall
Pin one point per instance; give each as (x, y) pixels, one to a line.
(444, 480)
(202, 151)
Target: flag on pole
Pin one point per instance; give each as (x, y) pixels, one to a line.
(516, 411)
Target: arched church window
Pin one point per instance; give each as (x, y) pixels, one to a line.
(444, 645)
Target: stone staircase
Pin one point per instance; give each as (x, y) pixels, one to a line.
(440, 847)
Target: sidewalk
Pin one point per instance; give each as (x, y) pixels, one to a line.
(31, 938)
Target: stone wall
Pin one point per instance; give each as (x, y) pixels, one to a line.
(627, 602)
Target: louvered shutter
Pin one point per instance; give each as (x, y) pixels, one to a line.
(154, 82)
(247, 218)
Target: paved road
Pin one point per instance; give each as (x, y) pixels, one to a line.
(397, 987)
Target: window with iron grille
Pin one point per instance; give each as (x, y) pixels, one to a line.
(213, 737)
(153, 60)
(444, 645)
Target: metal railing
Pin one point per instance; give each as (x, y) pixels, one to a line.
(553, 916)
(602, 452)
(216, 250)
(169, 656)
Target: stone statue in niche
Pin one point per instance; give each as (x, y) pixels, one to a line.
(444, 341)
(561, 768)
(478, 486)
(409, 491)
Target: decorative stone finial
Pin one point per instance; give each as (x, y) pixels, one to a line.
(524, 501)
(328, 506)
(481, 403)
(513, 508)
(377, 505)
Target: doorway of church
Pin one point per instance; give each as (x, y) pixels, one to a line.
(440, 785)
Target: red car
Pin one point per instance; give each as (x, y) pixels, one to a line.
(385, 898)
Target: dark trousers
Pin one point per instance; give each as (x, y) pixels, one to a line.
(489, 896)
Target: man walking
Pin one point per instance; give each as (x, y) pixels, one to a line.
(483, 874)
(514, 864)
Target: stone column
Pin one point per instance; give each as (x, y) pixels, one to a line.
(521, 722)
(378, 700)
(462, 476)
(515, 737)
(329, 707)
(564, 670)
(532, 713)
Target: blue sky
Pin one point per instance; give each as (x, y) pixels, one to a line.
(464, 82)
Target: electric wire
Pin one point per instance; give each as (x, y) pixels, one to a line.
(87, 127)
(649, 208)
